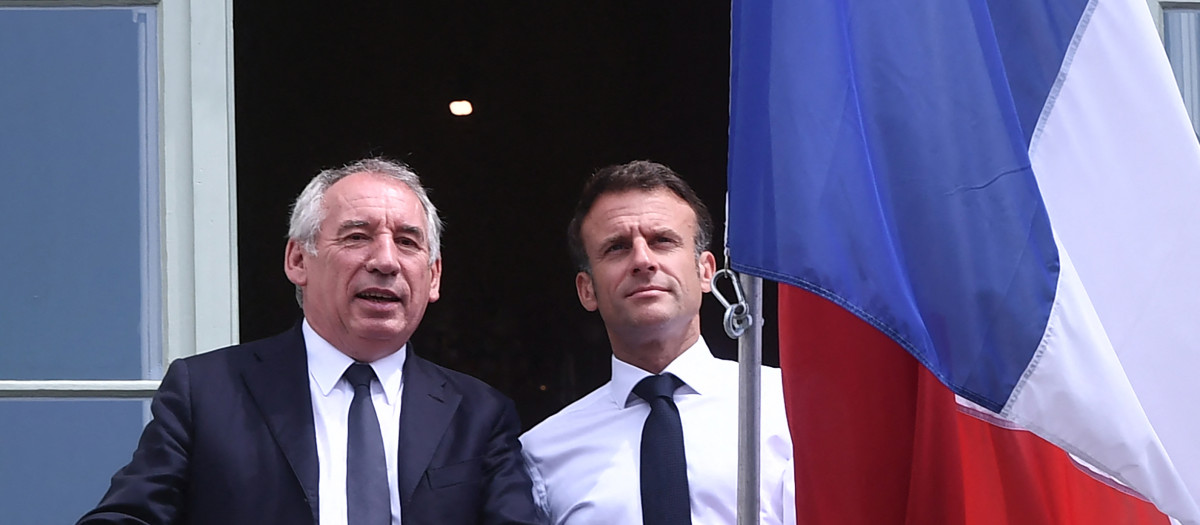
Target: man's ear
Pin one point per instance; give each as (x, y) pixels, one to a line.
(295, 263)
(587, 294)
(435, 280)
(708, 268)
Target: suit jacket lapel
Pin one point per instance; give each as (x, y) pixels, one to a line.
(277, 378)
(427, 405)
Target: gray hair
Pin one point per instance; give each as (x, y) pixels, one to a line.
(308, 211)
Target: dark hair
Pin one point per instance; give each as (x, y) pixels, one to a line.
(637, 175)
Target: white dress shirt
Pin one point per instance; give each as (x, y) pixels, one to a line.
(331, 396)
(585, 460)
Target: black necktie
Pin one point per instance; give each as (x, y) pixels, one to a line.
(367, 501)
(664, 467)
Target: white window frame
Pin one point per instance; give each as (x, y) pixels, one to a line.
(1187, 76)
(1157, 6)
(198, 192)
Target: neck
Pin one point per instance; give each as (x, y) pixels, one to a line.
(368, 354)
(654, 349)
(361, 349)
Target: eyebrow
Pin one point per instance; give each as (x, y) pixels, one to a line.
(664, 231)
(612, 239)
(351, 225)
(354, 224)
(667, 231)
(412, 230)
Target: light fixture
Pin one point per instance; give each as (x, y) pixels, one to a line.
(461, 108)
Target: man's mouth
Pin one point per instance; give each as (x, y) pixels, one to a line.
(378, 296)
(644, 289)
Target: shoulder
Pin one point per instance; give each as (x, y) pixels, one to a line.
(770, 377)
(292, 340)
(585, 412)
(227, 362)
(472, 389)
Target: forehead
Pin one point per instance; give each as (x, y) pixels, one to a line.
(373, 198)
(634, 210)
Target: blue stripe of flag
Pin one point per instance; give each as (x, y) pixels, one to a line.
(878, 157)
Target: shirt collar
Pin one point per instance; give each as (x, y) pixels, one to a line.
(326, 364)
(692, 367)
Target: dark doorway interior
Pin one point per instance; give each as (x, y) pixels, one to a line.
(559, 88)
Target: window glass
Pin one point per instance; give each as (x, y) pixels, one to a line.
(80, 285)
(57, 457)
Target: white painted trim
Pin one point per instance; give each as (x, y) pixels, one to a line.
(1156, 14)
(150, 192)
(1157, 6)
(199, 197)
(179, 325)
(77, 389)
(213, 174)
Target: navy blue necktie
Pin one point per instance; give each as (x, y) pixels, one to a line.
(367, 500)
(665, 499)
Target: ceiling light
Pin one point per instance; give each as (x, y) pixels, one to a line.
(461, 108)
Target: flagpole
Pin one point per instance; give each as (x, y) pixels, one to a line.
(749, 404)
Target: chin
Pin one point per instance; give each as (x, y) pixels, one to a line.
(650, 319)
(381, 332)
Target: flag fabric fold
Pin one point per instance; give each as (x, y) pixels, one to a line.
(1004, 189)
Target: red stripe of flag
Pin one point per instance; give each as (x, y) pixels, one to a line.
(879, 440)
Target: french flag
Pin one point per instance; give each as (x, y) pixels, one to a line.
(985, 216)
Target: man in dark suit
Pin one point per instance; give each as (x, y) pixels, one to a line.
(335, 420)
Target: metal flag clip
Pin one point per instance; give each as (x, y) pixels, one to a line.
(737, 315)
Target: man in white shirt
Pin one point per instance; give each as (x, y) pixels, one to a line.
(640, 238)
(336, 421)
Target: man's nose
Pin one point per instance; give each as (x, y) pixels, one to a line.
(384, 256)
(643, 257)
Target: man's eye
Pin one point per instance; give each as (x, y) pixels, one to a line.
(405, 241)
(614, 247)
(356, 237)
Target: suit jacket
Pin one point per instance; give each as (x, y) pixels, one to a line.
(232, 441)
